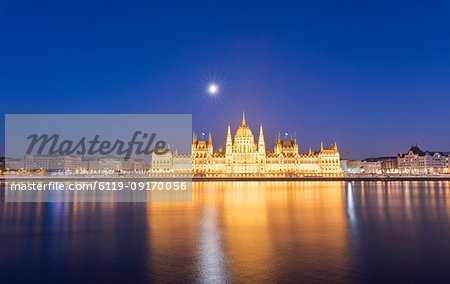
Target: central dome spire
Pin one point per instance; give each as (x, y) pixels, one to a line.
(243, 130)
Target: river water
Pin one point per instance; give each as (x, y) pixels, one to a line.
(237, 232)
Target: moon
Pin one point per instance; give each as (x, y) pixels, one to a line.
(213, 89)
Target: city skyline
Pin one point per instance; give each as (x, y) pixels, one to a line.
(219, 136)
(245, 155)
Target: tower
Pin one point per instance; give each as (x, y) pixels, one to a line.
(295, 143)
(210, 146)
(261, 151)
(278, 147)
(194, 143)
(229, 143)
(261, 144)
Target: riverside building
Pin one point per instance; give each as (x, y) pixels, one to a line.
(418, 162)
(245, 158)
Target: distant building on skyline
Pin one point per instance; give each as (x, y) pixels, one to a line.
(352, 166)
(14, 164)
(418, 162)
(73, 163)
(381, 165)
(171, 162)
(52, 163)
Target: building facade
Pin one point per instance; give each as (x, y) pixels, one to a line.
(381, 165)
(77, 164)
(245, 158)
(52, 163)
(171, 162)
(418, 162)
(372, 166)
(14, 164)
(389, 165)
(352, 166)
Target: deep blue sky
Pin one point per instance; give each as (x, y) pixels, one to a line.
(373, 75)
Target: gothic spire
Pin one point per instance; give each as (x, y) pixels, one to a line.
(243, 117)
(229, 141)
(261, 135)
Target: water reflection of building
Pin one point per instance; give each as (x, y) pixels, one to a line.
(244, 157)
(282, 220)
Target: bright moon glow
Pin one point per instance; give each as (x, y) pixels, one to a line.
(212, 89)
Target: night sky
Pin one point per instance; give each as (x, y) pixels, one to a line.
(373, 75)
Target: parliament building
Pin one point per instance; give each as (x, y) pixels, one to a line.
(245, 158)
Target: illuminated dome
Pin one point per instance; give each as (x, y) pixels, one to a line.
(244, 130)
(243, 140)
